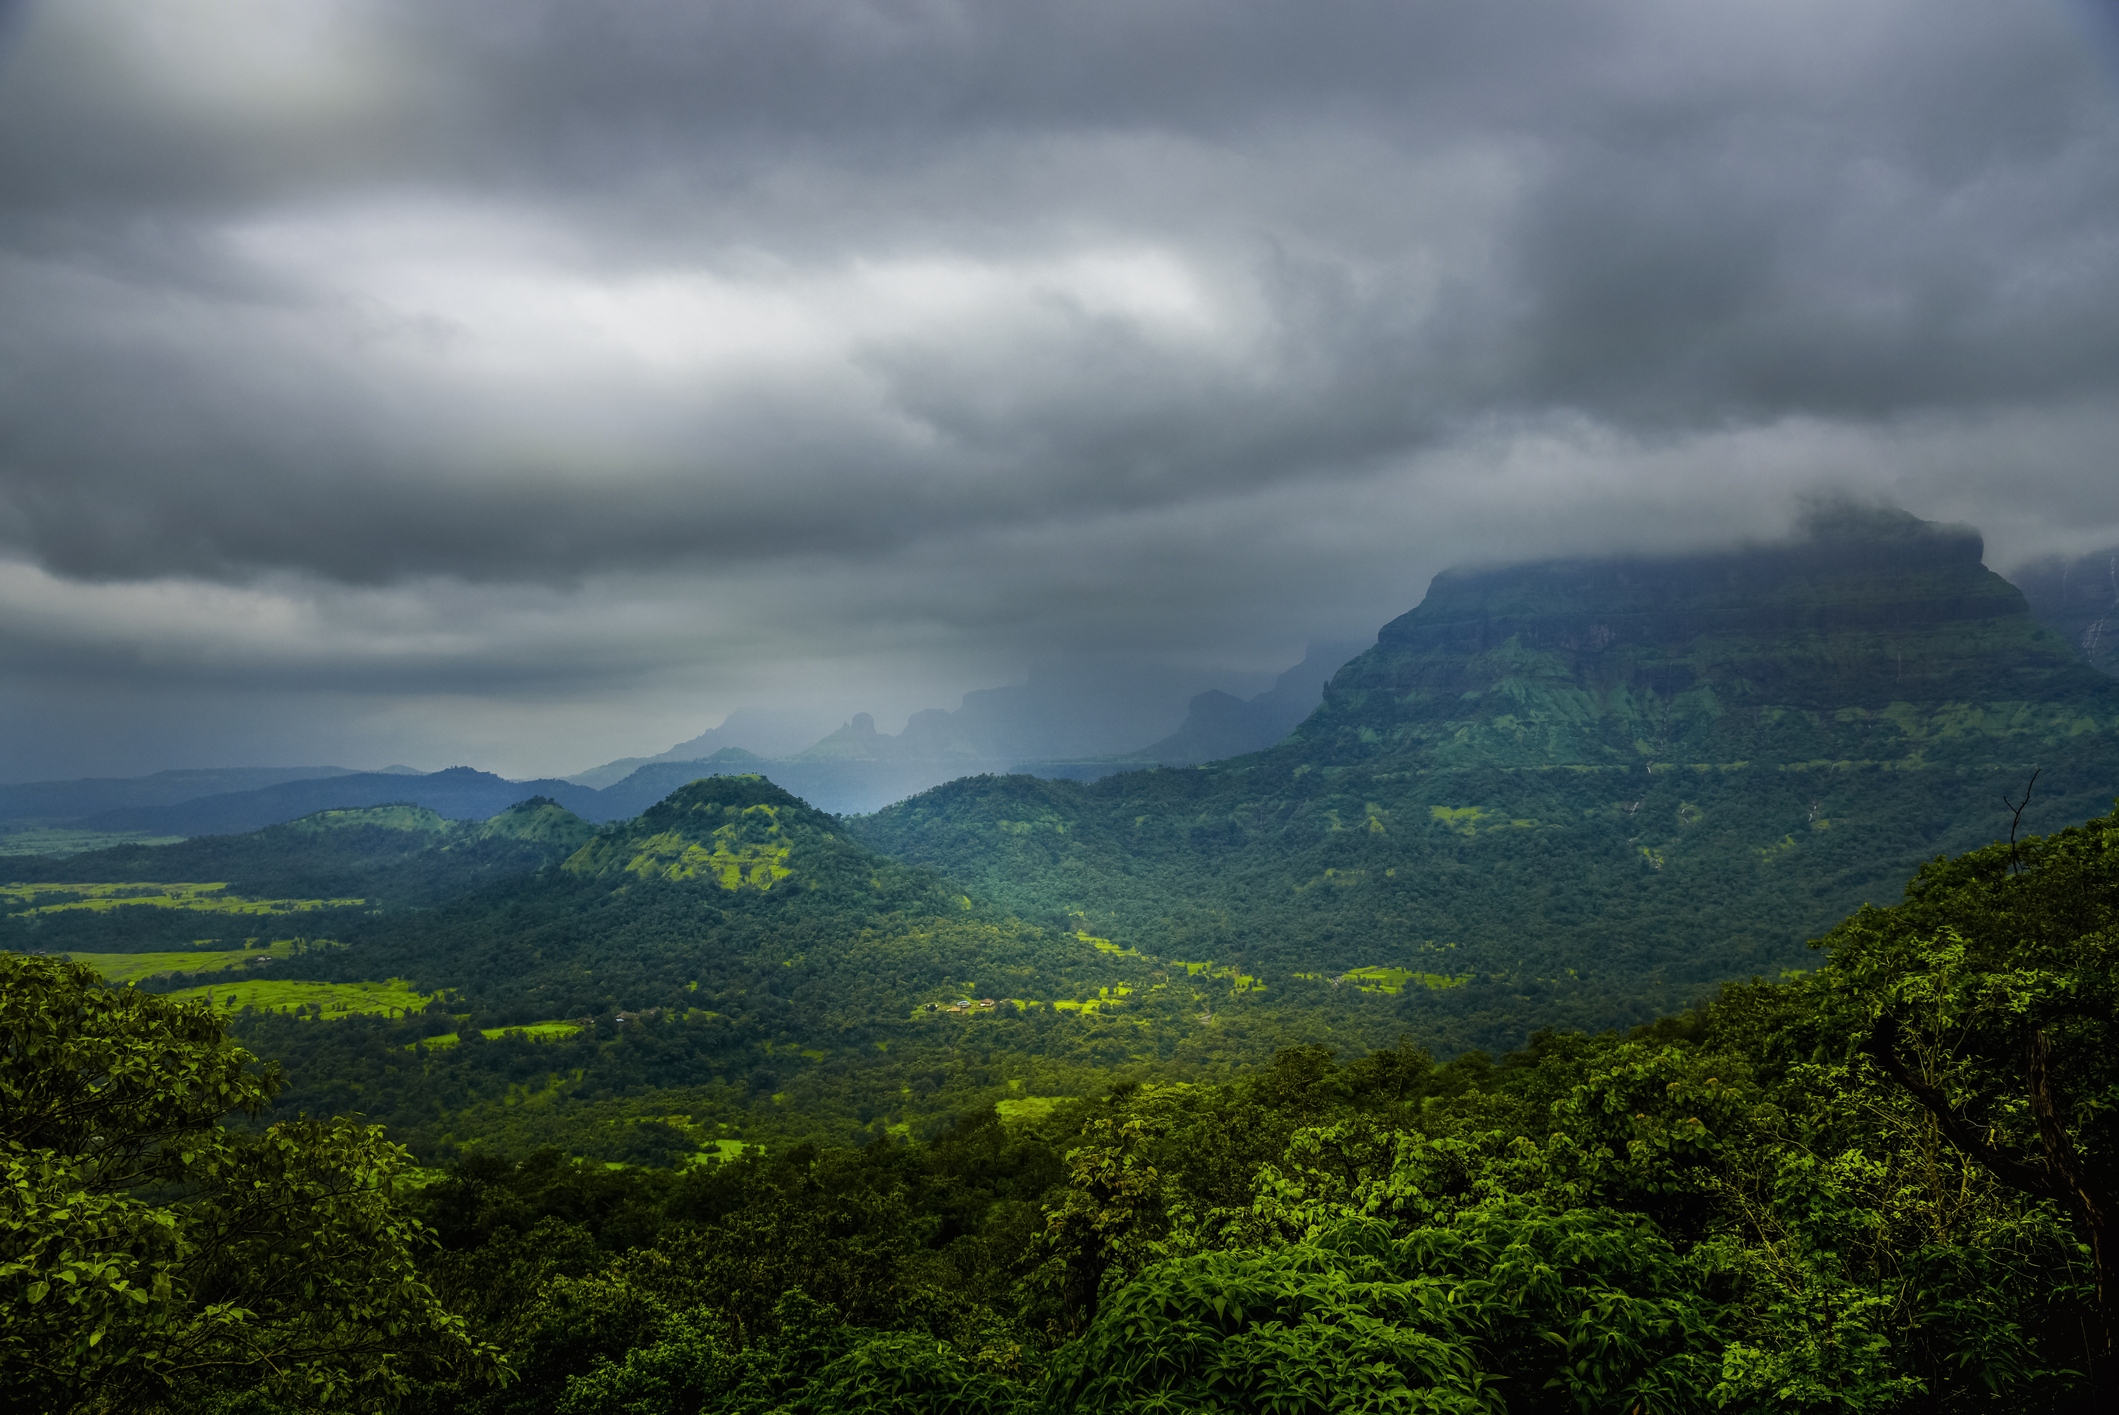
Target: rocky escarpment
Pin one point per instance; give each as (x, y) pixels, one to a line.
(1875, 637)
(2079, 600)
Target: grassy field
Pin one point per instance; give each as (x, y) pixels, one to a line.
(131, 967)
(1393, 980)
(333, 998)
(97, 898)
(59, 840)
(1020, 1108)
(535, 1031)
(720, 1151)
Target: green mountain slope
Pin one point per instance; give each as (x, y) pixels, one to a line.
(1588, 785)
(537, 821)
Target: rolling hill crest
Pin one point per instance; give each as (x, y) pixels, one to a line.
(727, 829)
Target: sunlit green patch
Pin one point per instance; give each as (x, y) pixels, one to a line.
(722, 1151)
(1242, 982)
(747, 851)
(1462, 819)
(59, 840)
(535, 1031)
(1105, 945)
(1105, 1000)
(205, 898)
(1469, 821)
(331, 999)
(1017, 1109)
(1392, 980)
(132, 967)
(1338, 879)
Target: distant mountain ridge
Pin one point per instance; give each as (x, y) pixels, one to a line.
(459, 793)
(1219, 724)
(67, 800)
(766, 734)
(1089, 712)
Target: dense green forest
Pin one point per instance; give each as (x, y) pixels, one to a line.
(1885, 1185)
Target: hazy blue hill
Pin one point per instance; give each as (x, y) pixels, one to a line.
(1078, 711)
(1219, 724)
(66, 800)
(751, 731)
(649, 783)
(459, 793)
(1626, 775)
(1086, 711)
(2079, 600)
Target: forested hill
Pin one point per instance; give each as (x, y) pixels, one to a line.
(1587, 784)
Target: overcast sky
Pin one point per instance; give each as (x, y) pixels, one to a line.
(527, 383)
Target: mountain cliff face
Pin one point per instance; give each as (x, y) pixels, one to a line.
(1878, 638)
(1221, 724)
(2079, 600)
(1648, 772)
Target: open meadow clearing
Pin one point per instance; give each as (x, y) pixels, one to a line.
(132, 967)
(211, 898)
(384, 998)
(64, 840)
(535, 1031)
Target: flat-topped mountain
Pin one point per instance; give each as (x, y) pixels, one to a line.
(1642, 772)
(1875, 638)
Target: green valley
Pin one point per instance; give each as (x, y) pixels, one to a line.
(1548, 1023)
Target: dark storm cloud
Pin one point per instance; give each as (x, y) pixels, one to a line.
(506, 346)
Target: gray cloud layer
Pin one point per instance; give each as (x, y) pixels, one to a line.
(536, 381)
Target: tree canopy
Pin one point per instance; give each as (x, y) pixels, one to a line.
(150, 1258)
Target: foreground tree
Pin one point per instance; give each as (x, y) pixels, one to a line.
(150, 1258)
(1991, 997)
